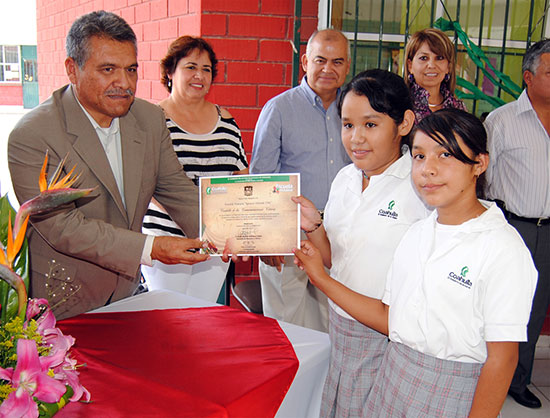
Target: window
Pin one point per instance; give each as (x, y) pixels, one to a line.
(378, 31)
(10, 68)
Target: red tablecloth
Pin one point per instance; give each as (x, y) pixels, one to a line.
(199, 362)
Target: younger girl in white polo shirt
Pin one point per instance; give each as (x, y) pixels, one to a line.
(371, 204)
(458, 294)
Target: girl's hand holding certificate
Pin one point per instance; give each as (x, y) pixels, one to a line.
(308, 258)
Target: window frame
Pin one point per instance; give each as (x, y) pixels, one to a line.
(3, 64)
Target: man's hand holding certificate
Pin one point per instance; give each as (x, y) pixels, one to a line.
(252, 214)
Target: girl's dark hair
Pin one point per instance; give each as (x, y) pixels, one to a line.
(444, 125)
(385, 91)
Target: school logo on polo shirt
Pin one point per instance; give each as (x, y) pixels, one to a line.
(389, 213)
(461, 278)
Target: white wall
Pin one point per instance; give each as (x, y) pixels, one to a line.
(9, 116)
(18, 22)
(17, 27)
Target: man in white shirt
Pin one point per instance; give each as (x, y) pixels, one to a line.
(88, 254)
(518, 179)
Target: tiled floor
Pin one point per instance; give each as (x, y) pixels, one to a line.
(540, 386)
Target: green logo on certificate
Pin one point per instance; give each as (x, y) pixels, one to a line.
(208, 190)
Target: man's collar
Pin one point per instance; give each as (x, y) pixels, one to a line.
(311, 95)
(524, 103)
(113, 128)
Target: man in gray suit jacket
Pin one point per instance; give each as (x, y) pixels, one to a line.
(88, 253)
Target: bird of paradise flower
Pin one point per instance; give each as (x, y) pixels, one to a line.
(6, 267)
(54, 193)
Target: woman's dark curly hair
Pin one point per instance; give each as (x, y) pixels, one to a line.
(180, 48)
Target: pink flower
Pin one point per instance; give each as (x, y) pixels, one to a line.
(68, 374)
(58, 342)
(39, 310)
(64, 367)
(30, 379)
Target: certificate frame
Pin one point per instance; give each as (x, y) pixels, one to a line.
(253, 213)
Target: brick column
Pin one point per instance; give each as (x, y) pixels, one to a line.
(252, 39)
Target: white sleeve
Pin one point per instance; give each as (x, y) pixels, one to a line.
(508, 294)
(387, 290)
(146, 253)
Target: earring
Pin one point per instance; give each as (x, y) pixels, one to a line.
(446, 79)
(169, 84)
(411, 78)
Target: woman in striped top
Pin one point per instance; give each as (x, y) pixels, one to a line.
(206, 139)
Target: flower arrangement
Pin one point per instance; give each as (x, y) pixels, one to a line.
(38, 376)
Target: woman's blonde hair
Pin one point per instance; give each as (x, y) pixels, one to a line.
(440, 44)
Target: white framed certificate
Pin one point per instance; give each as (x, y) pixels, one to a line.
(253, 213)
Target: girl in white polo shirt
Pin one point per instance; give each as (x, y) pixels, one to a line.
(372, 203)
(458, 294)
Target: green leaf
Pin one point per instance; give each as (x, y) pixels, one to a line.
(8, 296)
(48, 410)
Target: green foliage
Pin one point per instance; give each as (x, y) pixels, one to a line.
(12, 331)
(8, 296)
(5, 390)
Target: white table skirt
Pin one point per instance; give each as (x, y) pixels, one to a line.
(311, 347)
(202, 280)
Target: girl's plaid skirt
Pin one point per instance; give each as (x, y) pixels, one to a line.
(412, 384)
(356, 354)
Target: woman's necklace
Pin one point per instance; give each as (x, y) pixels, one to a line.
(436, 105)
(366, 181)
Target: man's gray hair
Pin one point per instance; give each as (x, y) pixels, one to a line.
(328, 35)
(101, 24)
(531, 59)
